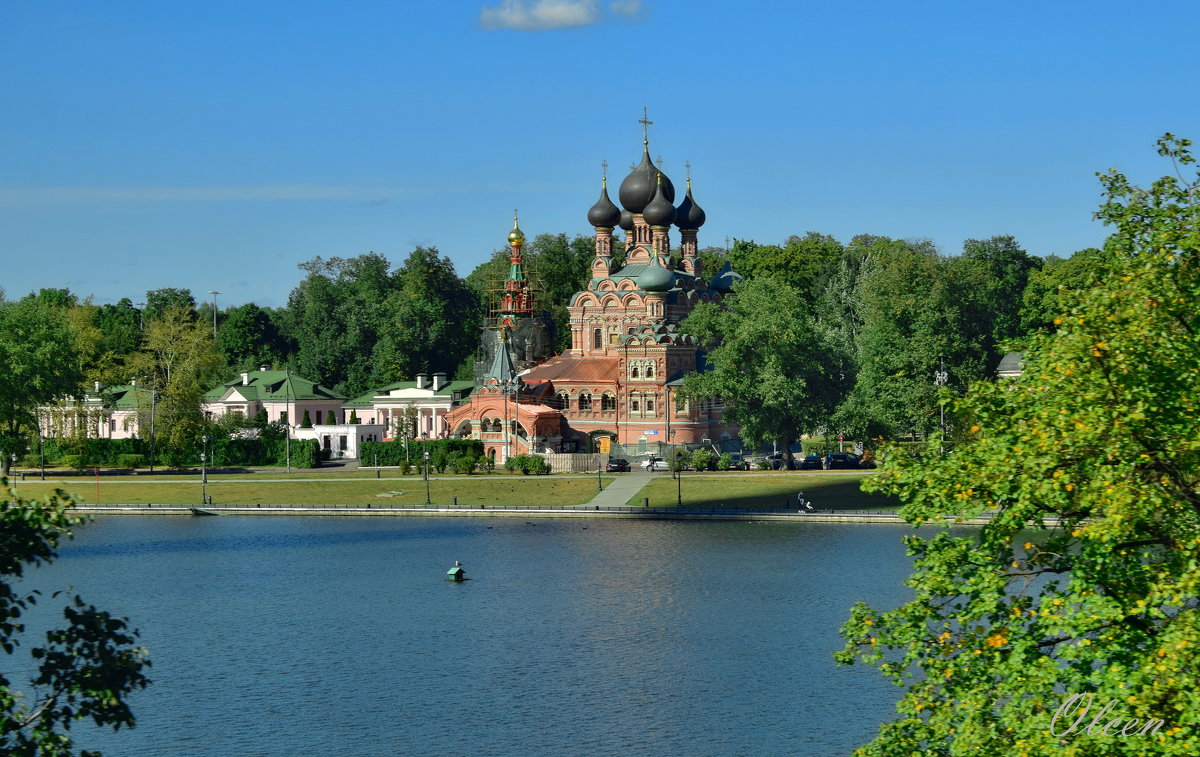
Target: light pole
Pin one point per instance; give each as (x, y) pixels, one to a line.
(203, 482)
(12, 472)
(940, 377)
(214, 293)
(42, 453)
(427, 477)
(679, 483)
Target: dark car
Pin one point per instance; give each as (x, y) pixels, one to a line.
(844, 460)
(617, 465)
(812, 462)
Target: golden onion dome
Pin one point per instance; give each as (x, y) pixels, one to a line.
(516, 236)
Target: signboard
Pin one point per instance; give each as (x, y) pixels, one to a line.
(652, 432)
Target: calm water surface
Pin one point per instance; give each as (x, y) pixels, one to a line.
(341, 636)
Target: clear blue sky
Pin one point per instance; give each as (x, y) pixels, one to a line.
(216, 145)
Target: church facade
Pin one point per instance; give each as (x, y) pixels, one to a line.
(618, 383)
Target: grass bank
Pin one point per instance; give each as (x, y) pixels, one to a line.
(837, 491)
(542, 491)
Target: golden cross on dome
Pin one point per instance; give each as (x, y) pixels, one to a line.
(645, 122)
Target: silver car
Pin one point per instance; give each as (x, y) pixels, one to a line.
(656, 463)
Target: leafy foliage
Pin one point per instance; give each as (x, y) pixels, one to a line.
(1096, 448)
(766, 325)
(85, 670)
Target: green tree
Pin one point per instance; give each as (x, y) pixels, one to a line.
(249, 338)
(802, 262)
(1085, 579)
(432, 320)
(159, 301)
(37, 352)
(1003, 270)
(765, 325)
(1050, 289)
(179, 362)
(84, 671)
(337, 316)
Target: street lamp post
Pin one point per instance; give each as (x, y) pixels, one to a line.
(203, 482)
(42, 453)
(13, 472)
(679, 483)
(427, 477)
(214, 293)
(940, 377)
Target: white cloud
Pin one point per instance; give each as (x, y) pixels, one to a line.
(545, 15)
(626, 8)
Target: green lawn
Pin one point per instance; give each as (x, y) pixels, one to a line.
(541, 491)
(838, 491)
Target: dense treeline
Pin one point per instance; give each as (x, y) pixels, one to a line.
(881, 317)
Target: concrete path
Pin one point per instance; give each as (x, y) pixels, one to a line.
(623, 487)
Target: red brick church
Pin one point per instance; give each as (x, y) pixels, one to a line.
(617, 383)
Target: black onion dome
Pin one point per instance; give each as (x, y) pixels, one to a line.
(689, 215)
(656, 277)
(626, 221)
(638, 187)
(604, 213)
(725, 279)
(659, 211)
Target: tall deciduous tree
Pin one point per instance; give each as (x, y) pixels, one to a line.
(432, 319)
(84, 671)
(159, 301)
(179, 362)
(1085, 580)
(766, 362)
(1051, 289)
(37, 352)
(249, 338)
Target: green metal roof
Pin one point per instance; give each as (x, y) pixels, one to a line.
(447, 391)
(274, 386)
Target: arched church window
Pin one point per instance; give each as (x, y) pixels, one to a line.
(564, 401)
(608, 401)
(650, 406)
(634, 372)
(597, 338)
(635, 406)
(650, 370)
(585, 401)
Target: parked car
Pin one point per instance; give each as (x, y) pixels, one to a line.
(738, 462)
(812, 462)
(656, 463)
(836, 460)
(618, 465)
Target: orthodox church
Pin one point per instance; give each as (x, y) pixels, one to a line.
(614, 390)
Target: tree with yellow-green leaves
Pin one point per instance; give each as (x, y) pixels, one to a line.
(1070, 624)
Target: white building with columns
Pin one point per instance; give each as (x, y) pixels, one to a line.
(410, 409)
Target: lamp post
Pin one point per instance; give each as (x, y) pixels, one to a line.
(12, 472)
(203, 482)
(42, 453)
(678, 483)
(203, 449)
(214, 293)
(940, 377)
(427, 477)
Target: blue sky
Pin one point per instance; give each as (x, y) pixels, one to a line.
(217, 145)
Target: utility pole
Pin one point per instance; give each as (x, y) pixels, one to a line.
(214, 293)
(940, 377)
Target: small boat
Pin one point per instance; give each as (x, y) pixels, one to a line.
(198, 512)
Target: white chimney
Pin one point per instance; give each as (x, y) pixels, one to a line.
(421, 379)
(96, 384)
(245, 378)
(439, 380)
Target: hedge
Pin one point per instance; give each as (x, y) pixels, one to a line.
(392, 453)
(116, 453)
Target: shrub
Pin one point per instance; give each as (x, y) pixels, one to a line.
(73, 461)
(700, 459)
(527, 464)
(763, 463)
(725, 461)
(439, 460)
(462, 463)
(487, 462)
(405, 467)
(306, 422)
(131, 461)
(353, 417)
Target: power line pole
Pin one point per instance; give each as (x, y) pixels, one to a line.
(214, 293)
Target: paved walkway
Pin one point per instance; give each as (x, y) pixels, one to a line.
(623, 487)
